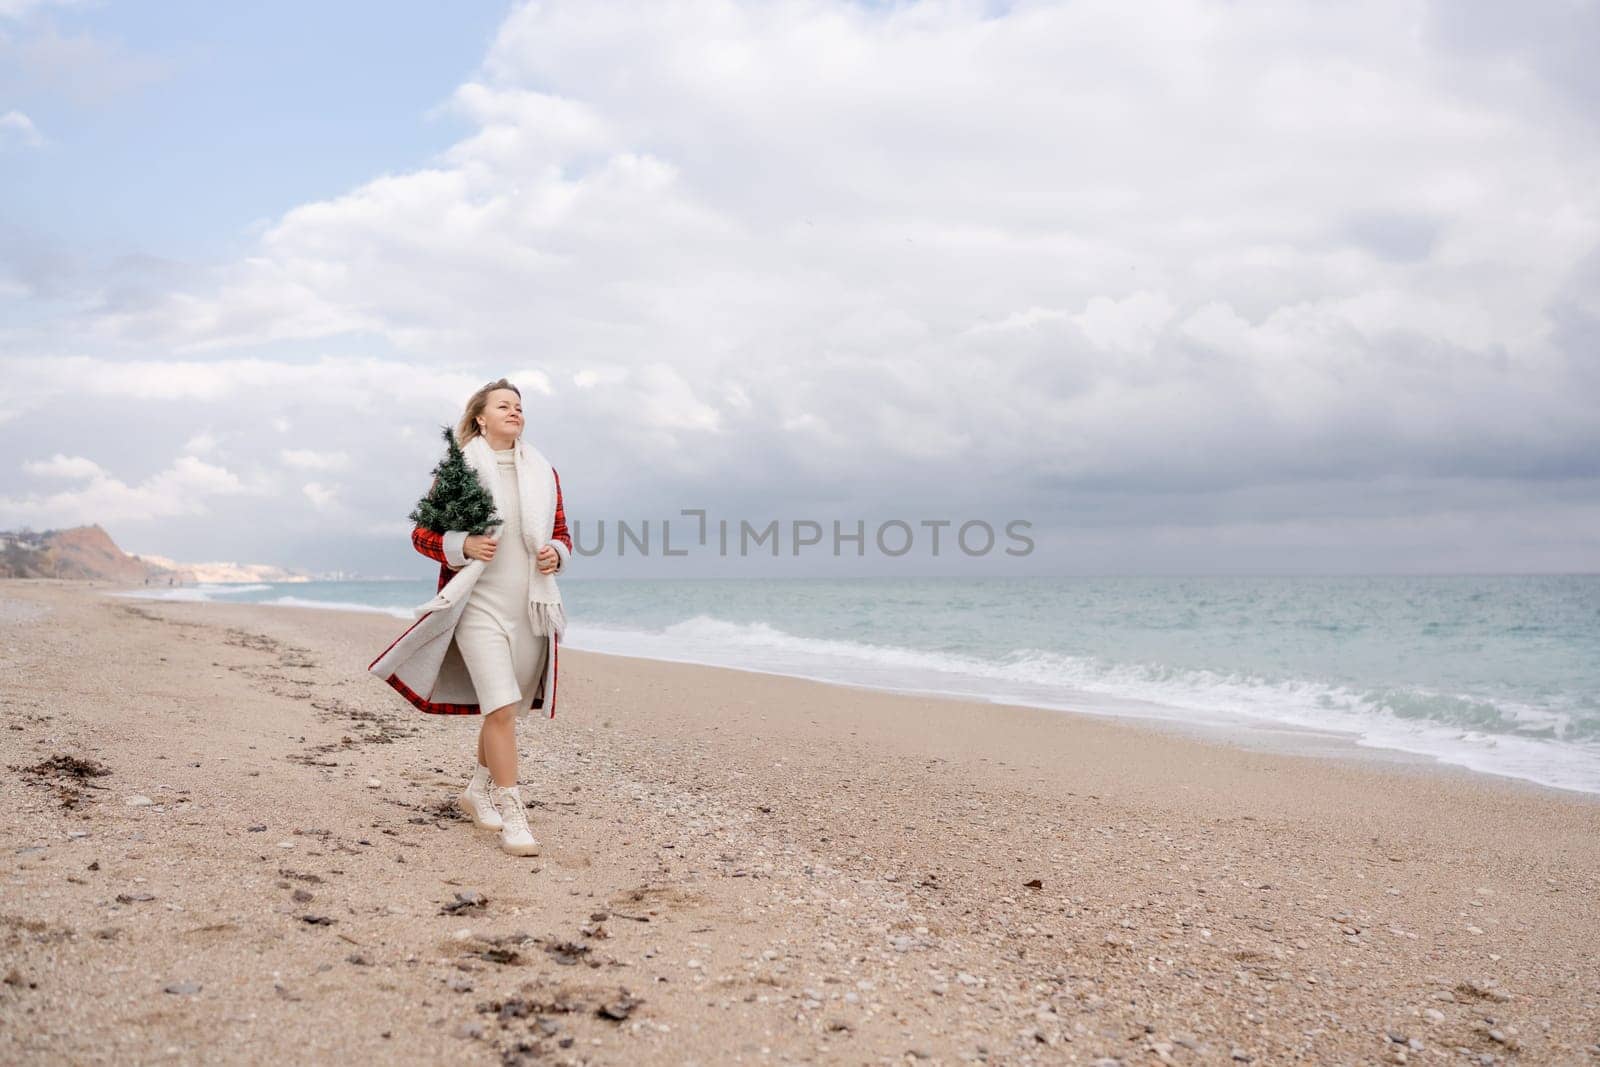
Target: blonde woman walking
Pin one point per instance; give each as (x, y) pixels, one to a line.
(487, 643)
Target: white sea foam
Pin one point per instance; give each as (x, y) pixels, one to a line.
(1505, 736)
(208, 593)
(1187, 697)
(202, 592)
(340, 605)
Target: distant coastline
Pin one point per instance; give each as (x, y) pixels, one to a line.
(89, 553)
(225, 573)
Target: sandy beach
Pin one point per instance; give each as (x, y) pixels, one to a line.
(226, 843)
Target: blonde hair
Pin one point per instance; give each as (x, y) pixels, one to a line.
(467, 428)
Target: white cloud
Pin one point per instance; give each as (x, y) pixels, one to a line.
(313, 460)
(987, 178)
(201, 443)
(18, 129)
(899, 248)
(394, 530)
(590, 377)
(354, 384)
(1130, 325)
(183, 489)
(531, 381)
(64, 467)
(286, 421)
(321, 496)
(1019, 320)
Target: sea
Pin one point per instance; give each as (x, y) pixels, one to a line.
(1497, 674)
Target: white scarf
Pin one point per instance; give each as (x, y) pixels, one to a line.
(536, 489)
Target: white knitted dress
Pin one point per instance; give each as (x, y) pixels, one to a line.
(503, 655)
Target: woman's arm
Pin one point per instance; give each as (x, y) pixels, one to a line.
(446, 548)
(560, 539)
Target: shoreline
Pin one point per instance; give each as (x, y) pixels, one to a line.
(1281, 738)
(737, 868)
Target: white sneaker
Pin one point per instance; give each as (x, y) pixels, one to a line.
(477, 803)
(515, 837)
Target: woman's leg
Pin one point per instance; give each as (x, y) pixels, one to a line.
(487, 650)
(500, 745)
(497, 741)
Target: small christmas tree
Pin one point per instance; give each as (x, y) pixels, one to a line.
(458, 500)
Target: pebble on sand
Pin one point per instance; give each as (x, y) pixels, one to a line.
(471, 900)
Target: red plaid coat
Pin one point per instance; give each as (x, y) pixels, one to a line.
(441, 619)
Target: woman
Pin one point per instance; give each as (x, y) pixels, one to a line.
(487, 643)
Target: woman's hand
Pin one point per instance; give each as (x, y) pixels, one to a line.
(480, 546)
(548, 560)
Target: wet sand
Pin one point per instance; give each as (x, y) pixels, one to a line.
(738, 868)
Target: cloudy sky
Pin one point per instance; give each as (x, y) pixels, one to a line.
(1190, 286)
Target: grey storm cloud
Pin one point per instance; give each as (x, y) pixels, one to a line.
(1210, 287)
(1400, 238)
(1553, 41)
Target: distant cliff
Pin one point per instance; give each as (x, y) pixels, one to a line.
(89, 552)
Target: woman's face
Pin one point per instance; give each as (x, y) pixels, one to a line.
(502, 416)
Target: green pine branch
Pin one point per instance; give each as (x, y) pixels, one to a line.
(458, 500)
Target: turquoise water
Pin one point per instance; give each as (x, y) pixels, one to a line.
(1499, 674)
